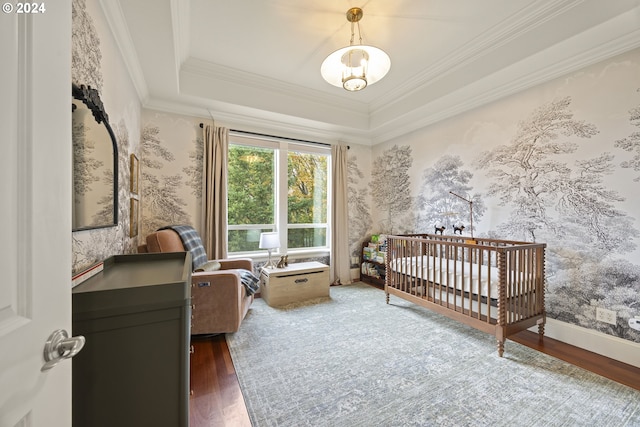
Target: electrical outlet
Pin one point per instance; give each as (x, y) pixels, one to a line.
(607, 316)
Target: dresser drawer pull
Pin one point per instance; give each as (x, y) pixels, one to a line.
(302, 280)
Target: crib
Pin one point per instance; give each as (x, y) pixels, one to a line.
(496, 286)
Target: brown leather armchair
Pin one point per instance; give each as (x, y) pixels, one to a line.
(219, 299)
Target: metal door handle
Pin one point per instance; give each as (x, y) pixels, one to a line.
(302, 280)
(59, 347)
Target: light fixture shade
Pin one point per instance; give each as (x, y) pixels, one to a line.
(270, 240)
(345, 67)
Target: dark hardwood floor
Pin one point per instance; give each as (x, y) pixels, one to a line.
(216, 398)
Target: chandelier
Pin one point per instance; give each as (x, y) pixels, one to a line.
(354, 67)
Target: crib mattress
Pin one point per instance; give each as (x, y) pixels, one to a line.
(461, 275)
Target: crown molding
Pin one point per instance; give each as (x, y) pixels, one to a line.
(206, 81)
(522, 23)
(117, 24)
(221, 73)
(251, 120)
(180, 10)
(616, 36)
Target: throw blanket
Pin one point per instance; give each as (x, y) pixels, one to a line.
(191, 242)
(250, 281)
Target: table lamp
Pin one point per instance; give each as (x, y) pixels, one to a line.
(269, 241)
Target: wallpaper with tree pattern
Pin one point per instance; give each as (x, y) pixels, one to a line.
(86, 55)
(563, 172)
(359, 200)
(92, 246)
(162, 185)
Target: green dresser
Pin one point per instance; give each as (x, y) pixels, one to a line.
(134, 367)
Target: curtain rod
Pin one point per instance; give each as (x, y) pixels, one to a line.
(278, 137)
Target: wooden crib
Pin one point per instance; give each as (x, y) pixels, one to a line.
(496, 286)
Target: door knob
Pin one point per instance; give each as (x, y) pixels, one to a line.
(59, 347)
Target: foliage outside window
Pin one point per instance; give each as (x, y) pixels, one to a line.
(263, 195)
(251, 196)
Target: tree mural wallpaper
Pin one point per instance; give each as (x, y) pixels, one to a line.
(359, 210)
(194, 170)
(162, 203)
(85, 163)
(553, 175)
(123, 138)
(85, 48)
(569, 206)
(526, 173)
(91, 246)
(632, 142)
(437, 207)
(391, 189)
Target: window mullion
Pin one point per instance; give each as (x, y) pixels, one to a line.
(329, 200)
(282, 191)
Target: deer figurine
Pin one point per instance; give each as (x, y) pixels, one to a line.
(284, 261)
(457, 228)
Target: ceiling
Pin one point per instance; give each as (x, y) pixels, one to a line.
(256, 64)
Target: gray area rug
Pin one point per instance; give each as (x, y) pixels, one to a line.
(352, 360)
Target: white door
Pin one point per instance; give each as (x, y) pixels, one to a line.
(35, 210)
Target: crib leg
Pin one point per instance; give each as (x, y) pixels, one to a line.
(387, 293)
(500, 347)
(540, 331)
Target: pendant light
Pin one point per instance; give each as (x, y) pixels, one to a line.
(356, 66)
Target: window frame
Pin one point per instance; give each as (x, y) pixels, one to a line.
(282, 147)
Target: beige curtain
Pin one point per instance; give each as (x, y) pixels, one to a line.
(214, 191)
(340, 257)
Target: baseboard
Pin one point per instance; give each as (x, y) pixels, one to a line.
(606, 345)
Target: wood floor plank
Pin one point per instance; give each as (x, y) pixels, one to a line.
(216, 398)
(609, 368)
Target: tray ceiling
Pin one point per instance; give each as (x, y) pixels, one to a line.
(256, 64)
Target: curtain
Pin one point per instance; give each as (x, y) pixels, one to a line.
(214, 190)
(340, 256)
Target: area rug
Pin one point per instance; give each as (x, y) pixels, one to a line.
(352, 360)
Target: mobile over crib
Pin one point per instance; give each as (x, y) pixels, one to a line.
(496, 286)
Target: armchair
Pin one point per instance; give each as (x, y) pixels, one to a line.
(219, 299)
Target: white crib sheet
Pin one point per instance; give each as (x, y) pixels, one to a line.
(463, 276)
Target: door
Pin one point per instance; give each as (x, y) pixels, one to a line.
(35, 210)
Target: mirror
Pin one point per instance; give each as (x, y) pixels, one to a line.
(95, 162)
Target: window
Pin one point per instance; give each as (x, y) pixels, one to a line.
(277, 185)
